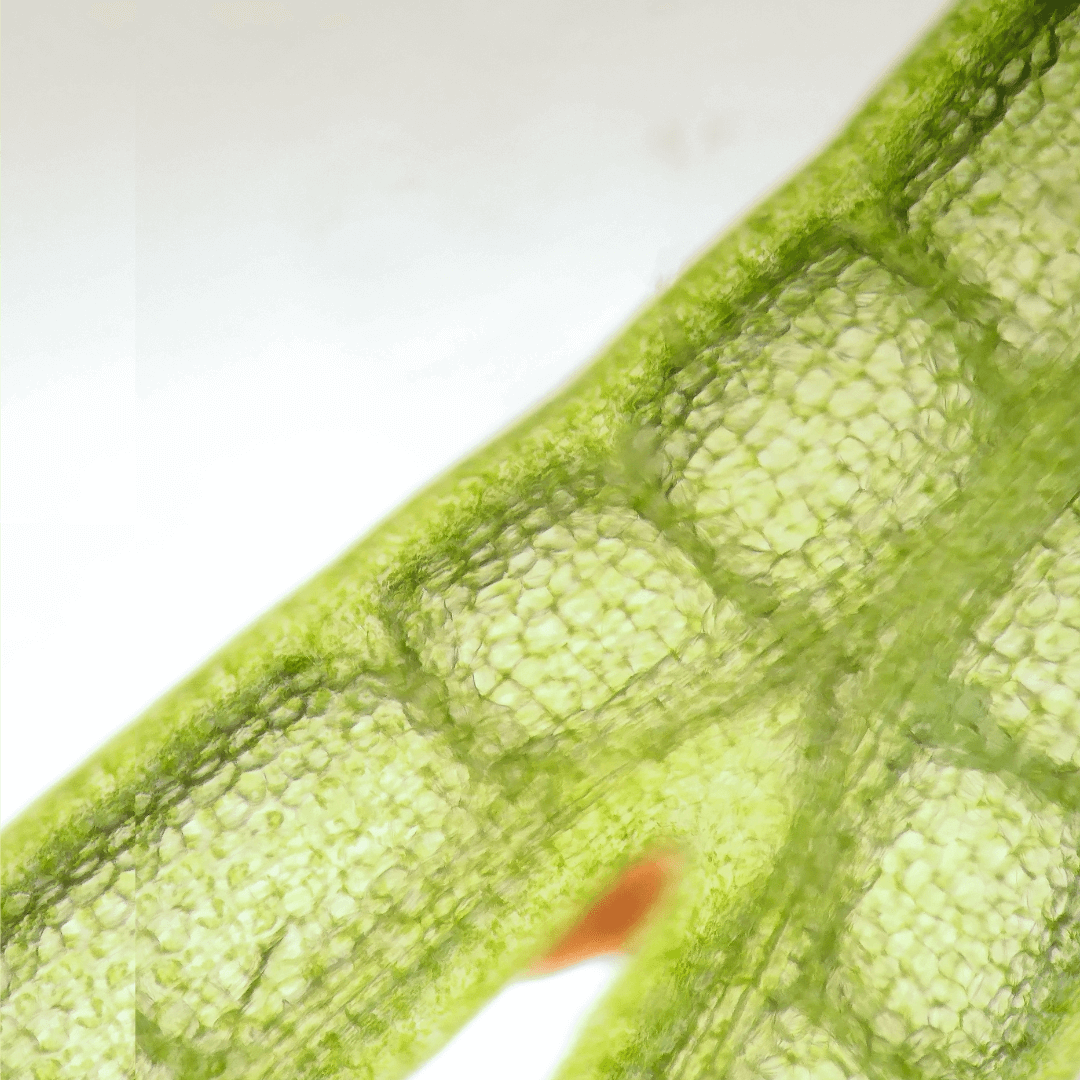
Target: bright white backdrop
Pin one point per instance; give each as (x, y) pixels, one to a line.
(270, 267)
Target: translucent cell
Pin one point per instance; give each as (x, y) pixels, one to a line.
(257, 880)
(953, 936)
(562, 621)
(848, 424)
(1027, 651)
(1007, 216)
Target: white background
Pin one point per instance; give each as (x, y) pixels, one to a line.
(270, 267)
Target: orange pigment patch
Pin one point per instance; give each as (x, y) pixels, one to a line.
(613, 921)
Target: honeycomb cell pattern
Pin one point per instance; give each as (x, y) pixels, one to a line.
(1027, 653)
(948, 948)
(810, 615)
(808, 451)
(547, 628)
(1007, 219)
(296, 877)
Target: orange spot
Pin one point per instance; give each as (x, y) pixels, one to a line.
(611, 923)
